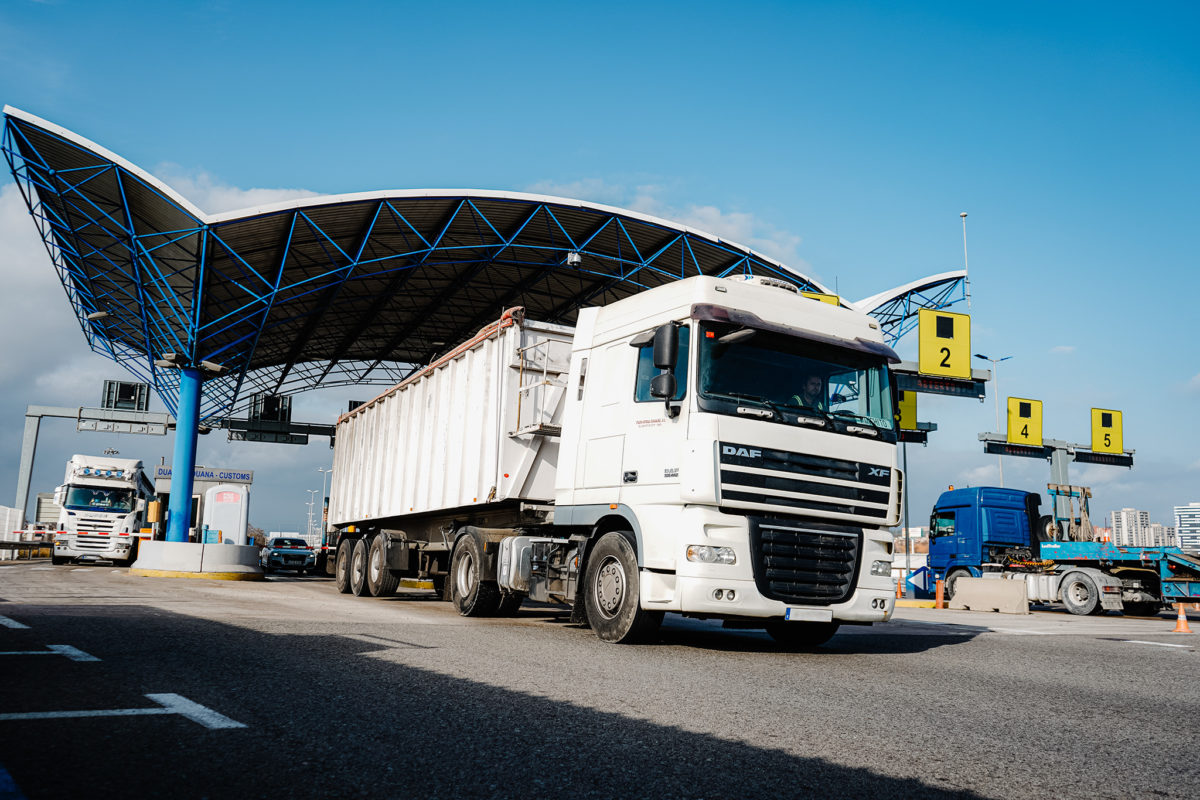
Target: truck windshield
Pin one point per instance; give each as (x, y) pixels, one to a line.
(793, 378)
(93, 498)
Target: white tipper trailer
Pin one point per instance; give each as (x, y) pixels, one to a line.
(717, 448)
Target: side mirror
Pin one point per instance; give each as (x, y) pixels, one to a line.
(60, 495)
(141, 504)
(663, 386)
(666, 347)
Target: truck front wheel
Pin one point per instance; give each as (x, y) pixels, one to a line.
(341, 566)
(952, 580)
(472, 597)
(613, 595)
(1079, 595)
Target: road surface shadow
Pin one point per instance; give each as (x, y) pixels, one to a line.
(323, 721)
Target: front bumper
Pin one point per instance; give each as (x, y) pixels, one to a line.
(277, 561)
(82, 546)
(690, 587)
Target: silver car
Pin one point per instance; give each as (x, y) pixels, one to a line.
(287, 554)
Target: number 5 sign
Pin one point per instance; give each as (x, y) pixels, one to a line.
(945, 344)
(1107, 434)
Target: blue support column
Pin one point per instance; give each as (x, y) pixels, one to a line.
(183, 461)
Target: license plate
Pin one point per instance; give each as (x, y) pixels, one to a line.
(808, 615)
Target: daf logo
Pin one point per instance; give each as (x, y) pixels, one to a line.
(744, 452)
(878, 472)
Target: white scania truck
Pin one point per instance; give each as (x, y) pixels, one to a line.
(103, 502)
(717, 448)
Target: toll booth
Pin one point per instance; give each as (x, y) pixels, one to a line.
(204, 478)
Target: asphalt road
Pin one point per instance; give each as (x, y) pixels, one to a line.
(338, 696)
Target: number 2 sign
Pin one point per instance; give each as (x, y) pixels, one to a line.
(945, 344)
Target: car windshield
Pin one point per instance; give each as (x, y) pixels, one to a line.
(780, 372)
(93, 498)
(289, 543)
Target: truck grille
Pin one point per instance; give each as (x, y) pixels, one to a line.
(99, 544)
(795, 483)
(810, 563)
(97, 524)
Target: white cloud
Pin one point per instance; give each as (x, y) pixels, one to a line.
(1194, 384)
(214, 197)
(1063, 349)
(735, 226)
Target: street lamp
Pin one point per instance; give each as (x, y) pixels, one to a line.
(996, 378)
(311, 492)
(324, 476)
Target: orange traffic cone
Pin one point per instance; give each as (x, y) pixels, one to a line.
(940, 595)
(1181, 625)
(899, 588)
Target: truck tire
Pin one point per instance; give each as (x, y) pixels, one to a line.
(358, 569)
(1142, 608)
(471, 596)
(380, 579)
(1080, 595)
(341, 566)
(951, 580)
(510, 603)
(801, 635)
(613, 593)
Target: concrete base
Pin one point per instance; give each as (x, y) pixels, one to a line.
(228, 562)
(981, 594)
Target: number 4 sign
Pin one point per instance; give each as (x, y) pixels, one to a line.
(945, 344)
(1024, 421)
(1107, 433)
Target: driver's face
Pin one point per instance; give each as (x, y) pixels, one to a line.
(812, 386)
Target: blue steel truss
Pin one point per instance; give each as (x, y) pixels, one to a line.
(896, 311)
(329, 291)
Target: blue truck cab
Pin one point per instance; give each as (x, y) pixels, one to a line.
(972, 527)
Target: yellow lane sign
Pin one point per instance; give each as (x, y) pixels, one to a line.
(1024, 421)
(944, 343)
(1108, 435)
(906, 406)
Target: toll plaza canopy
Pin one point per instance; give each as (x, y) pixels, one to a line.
(328, 290)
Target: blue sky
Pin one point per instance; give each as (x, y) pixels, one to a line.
(843, 138)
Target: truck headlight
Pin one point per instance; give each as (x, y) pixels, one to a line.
(881, 568)
(706, 554)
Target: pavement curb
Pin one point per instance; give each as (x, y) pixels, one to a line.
(210, 576)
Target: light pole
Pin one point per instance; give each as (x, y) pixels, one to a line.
(324, 476)
(996, 379)
(966, 269)
(311, 492)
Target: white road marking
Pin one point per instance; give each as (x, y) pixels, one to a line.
(1156, 644)
(73, 653)
(11, 623)
(168, 704)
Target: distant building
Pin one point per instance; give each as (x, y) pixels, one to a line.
(1187, 527)
(1160, 535)
(1129, 526)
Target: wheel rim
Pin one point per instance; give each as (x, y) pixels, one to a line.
(464, 576)
(1078, 592)
(359, 571)
(374, 564)
(609, 586)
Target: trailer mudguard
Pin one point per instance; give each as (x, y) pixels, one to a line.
(1109, 586)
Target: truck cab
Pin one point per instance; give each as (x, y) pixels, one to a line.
(970, 528)
(103, 502)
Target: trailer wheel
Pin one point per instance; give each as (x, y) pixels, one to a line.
(510, 603)
(1080, 595)
(472, 596)
(380, 579)
(358, 569)
(613, 598)
(801, 635)
(341, 566)
(1142, 608)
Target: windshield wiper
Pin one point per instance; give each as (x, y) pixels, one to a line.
(753, 398)
(860, 418)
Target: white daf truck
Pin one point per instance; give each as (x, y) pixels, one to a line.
(103, 502)
(716, 448)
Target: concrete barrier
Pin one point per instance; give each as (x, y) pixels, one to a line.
(228, 562)
(981, 594)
